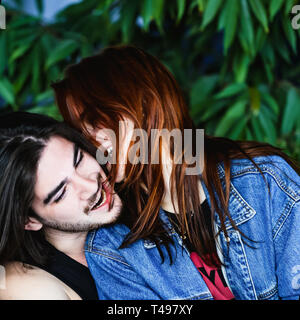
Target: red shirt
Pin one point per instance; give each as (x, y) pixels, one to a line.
(212, 276)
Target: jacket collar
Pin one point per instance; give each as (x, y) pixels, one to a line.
(239, 208)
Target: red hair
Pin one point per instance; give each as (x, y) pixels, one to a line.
(126, 82)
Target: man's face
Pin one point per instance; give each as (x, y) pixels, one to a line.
(69, 190)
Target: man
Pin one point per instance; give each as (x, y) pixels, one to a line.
(52, 193)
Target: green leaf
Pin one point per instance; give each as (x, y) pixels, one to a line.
(290, 34)
(158, 13)
(231, 15)
(62, 51)
(271, 102)
(212, 108)
(128, 14)
(210, 12)
(268, 53)
(241, 65)
(40, 5)
(240, 126)
(275, 6)
(254, 95)
(147, 13)
(260, 13)
(3, 54)
(7, 91)
(202, 89)
(222, 20)
(46, 95)
(288, 6)
(22, 21)
(269, 71)
(232, 116)
(49, 110)
(181, 7)
(24, 75)
(36, 72)
(231, 90)
(257, 130)
(246, 31)
(249, 135)
(20, 51)
(291, 111)
(260, 39)
(267, 125)
(200, 5)
(282, 49)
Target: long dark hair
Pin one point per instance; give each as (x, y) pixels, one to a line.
(23, 137)
(125, 81)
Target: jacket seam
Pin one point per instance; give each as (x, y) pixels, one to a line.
(278, 180)
(99, 253)
(284, 217)
(90, 239)
(268, 294)
(247, 264)
(249, 211)
(204, 296)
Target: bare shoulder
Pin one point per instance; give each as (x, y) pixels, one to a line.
(20, 283)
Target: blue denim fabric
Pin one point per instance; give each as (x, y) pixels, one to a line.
(268, 267)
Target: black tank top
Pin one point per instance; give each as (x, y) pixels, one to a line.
(74, 274)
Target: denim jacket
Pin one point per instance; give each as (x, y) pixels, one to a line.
(268, 267)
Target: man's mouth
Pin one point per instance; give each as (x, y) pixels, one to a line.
(102, 200)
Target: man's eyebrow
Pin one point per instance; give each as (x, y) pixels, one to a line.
(54, 192)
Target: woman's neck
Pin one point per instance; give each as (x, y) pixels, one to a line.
(167, 199)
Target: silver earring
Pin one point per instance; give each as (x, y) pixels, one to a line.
(110, 151)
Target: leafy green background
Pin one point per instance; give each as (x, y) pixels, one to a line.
(236, 60)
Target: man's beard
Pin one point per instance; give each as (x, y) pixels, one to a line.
(72, 227)
(79, 226)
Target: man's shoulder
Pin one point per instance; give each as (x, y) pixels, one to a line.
(109, 237)
(23, 282)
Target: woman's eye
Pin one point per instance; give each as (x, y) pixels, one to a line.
(80, 157)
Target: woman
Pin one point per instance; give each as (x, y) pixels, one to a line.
(237, 222)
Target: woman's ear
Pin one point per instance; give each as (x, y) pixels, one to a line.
(33, 224)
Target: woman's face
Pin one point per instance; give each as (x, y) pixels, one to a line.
(107, 139)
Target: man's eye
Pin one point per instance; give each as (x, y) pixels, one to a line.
(80, 157)
(61, 195)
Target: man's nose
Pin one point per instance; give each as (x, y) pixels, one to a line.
(86, 185)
